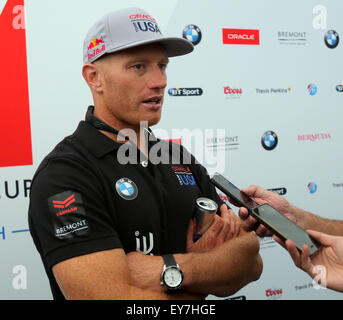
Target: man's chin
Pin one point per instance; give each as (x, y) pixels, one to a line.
(153, 121)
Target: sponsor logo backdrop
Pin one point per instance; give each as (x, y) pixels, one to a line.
(258, 68)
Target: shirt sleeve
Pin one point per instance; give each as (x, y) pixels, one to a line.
(68, 215)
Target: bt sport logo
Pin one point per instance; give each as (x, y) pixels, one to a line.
(185, 92)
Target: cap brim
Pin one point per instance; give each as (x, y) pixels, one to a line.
(177, 46)
(174, 46)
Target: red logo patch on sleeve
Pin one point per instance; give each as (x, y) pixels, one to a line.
(68, 215)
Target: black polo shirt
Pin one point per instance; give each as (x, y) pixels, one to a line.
(84, 200)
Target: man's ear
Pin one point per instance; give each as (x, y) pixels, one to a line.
(92, 76)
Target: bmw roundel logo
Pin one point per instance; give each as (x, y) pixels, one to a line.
(127, 189)
(312, 187)
(192, 33)
(269, 140)
(331, 39)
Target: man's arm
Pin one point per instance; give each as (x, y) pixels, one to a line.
(221, 271)
(225, 269)
(104, 275)
(301, 217)
(308, 220)
(212, 268)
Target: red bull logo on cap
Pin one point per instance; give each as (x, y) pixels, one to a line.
(96, 47)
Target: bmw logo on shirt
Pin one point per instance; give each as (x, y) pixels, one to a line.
(127, 189)
(192, 33)
(269, 140)
(331, 39)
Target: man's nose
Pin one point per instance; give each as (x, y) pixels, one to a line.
(157, 79)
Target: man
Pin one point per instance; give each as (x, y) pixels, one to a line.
(108, 228)
(328, 260)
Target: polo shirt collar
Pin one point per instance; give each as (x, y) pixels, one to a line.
(97, 143)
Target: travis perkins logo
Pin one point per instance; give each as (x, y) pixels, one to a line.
(144, 23)
(96, 47)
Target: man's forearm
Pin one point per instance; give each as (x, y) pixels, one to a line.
(221, 271)
(307, 220)
(224, 270)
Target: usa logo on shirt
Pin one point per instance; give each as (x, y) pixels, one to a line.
(184, 176)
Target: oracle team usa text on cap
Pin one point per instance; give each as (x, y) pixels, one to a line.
(127, 28)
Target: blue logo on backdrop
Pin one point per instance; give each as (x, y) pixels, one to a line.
(331, 39)
(269, 140)
(312, 187)
(312, 89)
(192, 33)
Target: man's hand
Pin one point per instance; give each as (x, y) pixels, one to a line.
(222, 229)
(208, 265)
(326, 265)
(261, 196)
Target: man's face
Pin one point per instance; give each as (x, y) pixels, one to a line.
(134, 82)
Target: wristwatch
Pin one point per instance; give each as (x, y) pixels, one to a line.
(172, 276)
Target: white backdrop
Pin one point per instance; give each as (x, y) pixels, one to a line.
(272, 78)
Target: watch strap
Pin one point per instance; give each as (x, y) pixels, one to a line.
(169, 260)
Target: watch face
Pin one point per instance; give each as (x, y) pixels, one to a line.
(173, 277)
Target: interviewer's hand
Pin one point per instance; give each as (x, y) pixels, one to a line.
(326, 265)
(222, 229)
(261, 196)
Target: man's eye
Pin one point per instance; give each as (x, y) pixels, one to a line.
(138, 66)
(163, 66)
